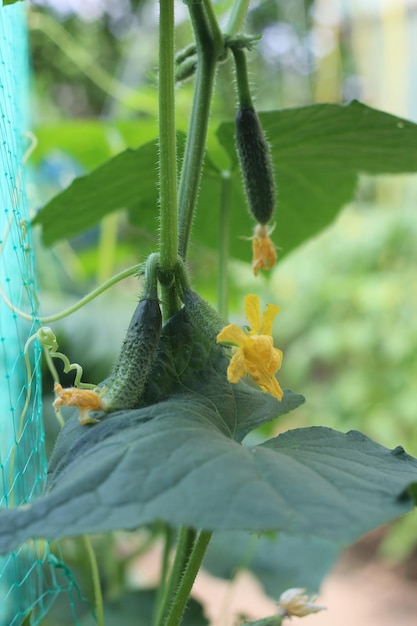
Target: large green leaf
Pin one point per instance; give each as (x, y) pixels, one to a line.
(317, 150)
(171, 462)
(180, 460)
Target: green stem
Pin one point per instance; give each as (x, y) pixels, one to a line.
(150, 288)
(182, 279)
(216, 33)
(243, 89)
(168, 206)
(185, 543)
(237, 17)
(167, 140)
(208, 45)
(222, 280)
(98, 597)
(160, 594)
(183, 593)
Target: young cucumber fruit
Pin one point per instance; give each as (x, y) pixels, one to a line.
(205, 319)
(256, 165)
(128, 379)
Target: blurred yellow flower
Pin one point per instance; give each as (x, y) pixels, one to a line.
(256, 355)
(263, 249)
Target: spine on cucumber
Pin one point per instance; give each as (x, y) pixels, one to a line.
(128, 379)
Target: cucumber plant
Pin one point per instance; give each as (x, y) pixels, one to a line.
(172, 444)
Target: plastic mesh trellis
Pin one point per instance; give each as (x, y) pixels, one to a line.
(32, 578)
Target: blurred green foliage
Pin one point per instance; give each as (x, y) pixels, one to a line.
(353, 348)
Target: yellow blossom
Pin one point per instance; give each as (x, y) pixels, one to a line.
(255, 355)
(85, 400)
(296, 602)
(264, 252)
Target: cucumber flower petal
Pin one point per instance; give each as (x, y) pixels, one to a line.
(255, 355)
(85, 400)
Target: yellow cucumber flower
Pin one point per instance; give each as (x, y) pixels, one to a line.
(255, 355)
(85, 400)
(263, 249)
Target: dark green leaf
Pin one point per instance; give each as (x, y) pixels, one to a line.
(175, 460)
(171, 462)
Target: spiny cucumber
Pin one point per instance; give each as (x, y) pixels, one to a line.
(256, 165)
(203, 316)
(128, 379)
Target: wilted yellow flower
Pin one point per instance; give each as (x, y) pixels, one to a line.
(297, 602)
(256, 355)
(264, 252)
(85, 400)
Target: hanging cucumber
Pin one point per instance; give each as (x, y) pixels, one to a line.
(126, 385)
(253, 150)
(128, 379)
(256, 166)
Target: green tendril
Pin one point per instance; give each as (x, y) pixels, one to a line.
(48, 341)
(135, 269)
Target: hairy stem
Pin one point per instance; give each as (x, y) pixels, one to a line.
(237, 17)
(167, 140)
(245, 98)
(185, 543)
(168, 205)
(160, 594)
(208, 45)
(223, 255)
(184, 589)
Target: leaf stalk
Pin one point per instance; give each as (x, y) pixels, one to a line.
(185, 543)
(191, 570)
(168, 243)
(209, 44)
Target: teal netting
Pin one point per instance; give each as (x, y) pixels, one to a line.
(32, 578)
